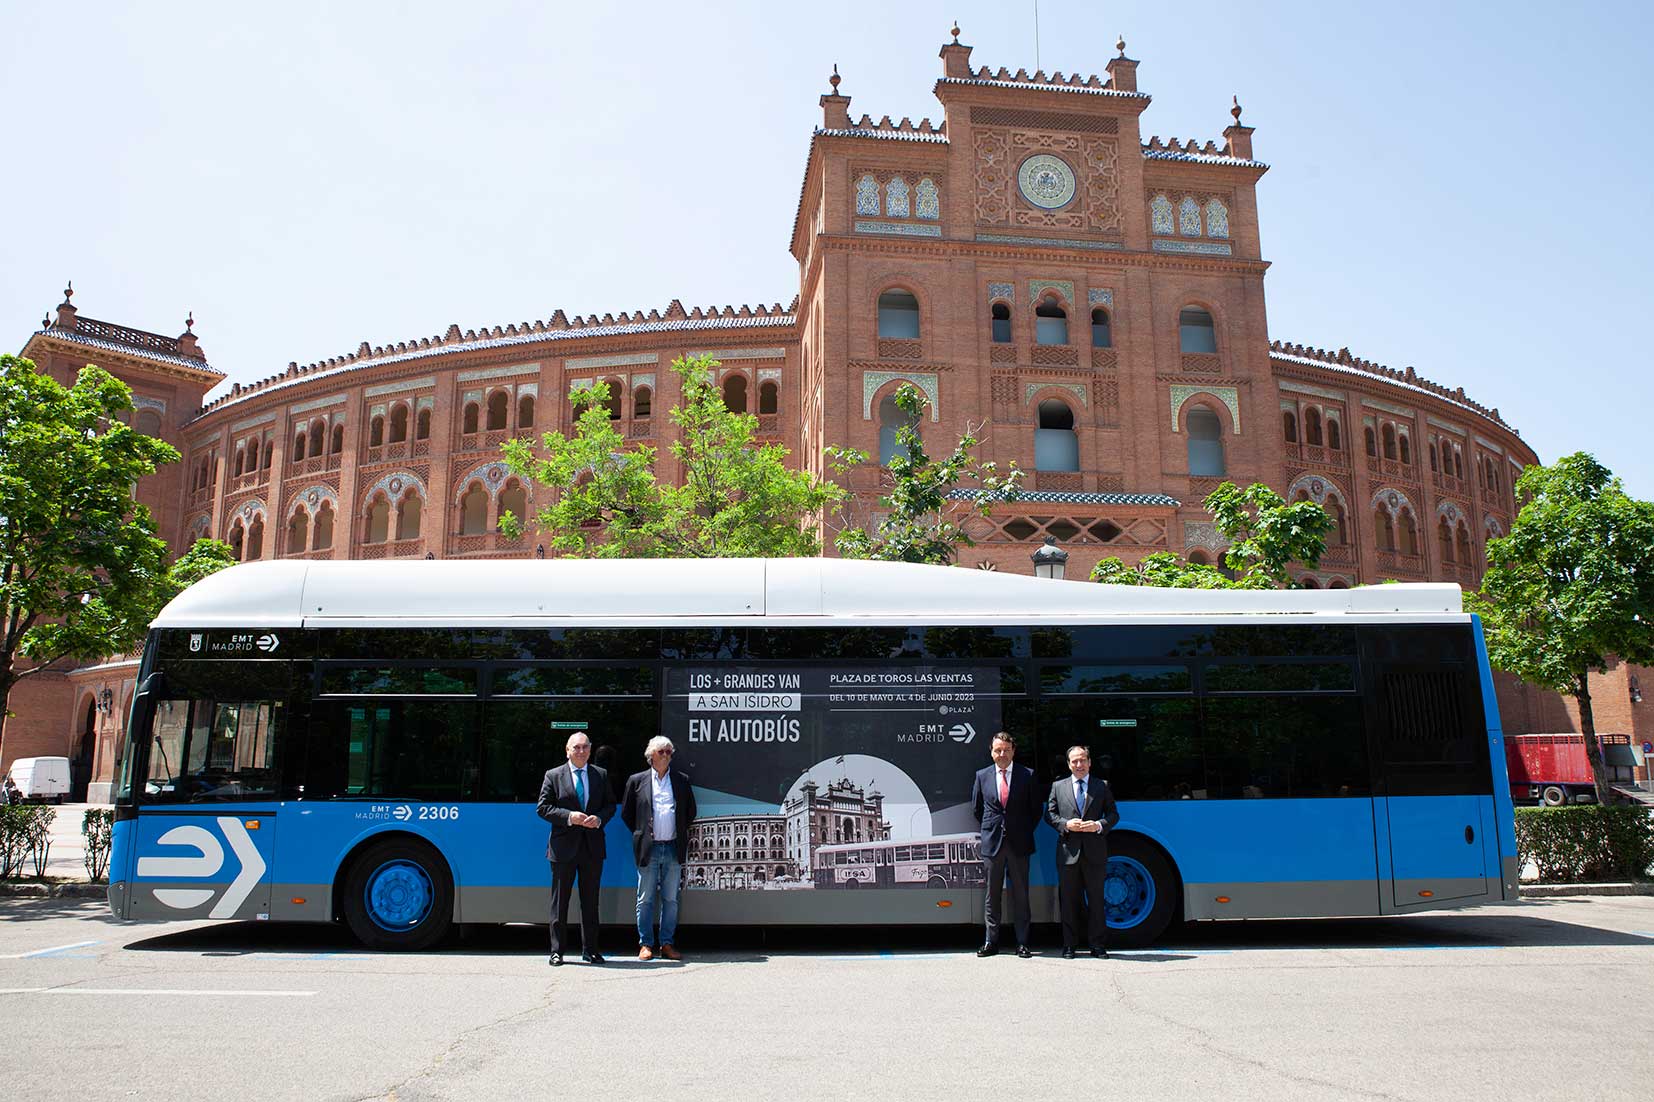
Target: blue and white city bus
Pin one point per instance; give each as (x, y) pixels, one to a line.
(365, 741)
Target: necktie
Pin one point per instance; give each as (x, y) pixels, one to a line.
(1079, 800)
(1004, 789)
(580, 787)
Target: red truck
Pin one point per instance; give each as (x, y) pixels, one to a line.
(1553, 770)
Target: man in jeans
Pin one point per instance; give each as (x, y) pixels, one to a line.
(659, 808)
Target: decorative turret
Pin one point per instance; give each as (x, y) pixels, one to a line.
(1122, 70)
(956, 57)
(1238, 138)
(66, 308)
(187, 344)
(835, 109)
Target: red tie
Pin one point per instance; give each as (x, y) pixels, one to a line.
(1004, 789)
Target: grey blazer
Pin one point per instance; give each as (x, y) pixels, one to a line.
(1099, 806)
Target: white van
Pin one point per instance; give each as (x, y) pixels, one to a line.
(41, 778)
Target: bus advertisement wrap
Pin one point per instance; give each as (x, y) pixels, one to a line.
(817, 771)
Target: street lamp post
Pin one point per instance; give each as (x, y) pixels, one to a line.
(1050, 560)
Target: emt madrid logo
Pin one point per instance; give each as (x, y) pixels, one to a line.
(204, 864)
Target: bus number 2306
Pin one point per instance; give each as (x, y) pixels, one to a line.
(443, 812)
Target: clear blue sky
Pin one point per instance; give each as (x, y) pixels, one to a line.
(1460, 187)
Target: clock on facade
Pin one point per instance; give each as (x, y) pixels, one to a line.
(1046, 181)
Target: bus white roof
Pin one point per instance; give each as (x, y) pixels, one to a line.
(552, 592)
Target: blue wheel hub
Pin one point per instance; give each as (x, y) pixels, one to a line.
(399, 895)
(1128, 892)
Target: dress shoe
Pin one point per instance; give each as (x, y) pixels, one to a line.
(556, 959)
(592, 958)
(670, 953)
(1024, 952)
(645, 953)
(1100, 954)
(1067, 952)
(987, 950)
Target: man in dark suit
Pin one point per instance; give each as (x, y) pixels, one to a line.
(1081, 809)
(658, 807)
(576, 801)
(1004, 802)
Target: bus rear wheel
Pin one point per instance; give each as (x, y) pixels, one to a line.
(1140, 892)
(398, 896)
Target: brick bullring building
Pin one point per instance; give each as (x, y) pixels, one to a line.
(1092, 298)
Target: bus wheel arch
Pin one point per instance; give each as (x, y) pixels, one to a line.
(1144, 889)
(395, 890)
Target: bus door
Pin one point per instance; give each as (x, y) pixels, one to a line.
(1433, 811)
(204, 843)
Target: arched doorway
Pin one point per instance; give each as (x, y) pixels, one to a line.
(80, 763)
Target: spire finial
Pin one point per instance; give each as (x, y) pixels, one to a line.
(1120, 44)
(1235, 110)
(834, 79)
(68, 291)
(46, 322)
(955, 32)
(189, 322)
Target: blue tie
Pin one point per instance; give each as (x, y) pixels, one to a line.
(1079, 801)
(580, 787)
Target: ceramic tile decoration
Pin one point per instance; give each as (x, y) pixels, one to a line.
(867, 196)
(928, 200)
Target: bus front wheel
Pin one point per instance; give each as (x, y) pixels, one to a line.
(398, 896)
(1140, 892)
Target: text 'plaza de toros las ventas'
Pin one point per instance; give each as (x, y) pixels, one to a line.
(1037, 265)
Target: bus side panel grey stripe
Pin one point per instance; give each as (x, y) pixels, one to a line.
(1281, 899)
(317, 905)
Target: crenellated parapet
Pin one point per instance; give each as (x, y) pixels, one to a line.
(1343, 360)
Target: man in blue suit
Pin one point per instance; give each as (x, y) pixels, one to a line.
(1004, 802)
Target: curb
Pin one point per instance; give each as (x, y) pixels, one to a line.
(43, 889)
(1551, 890)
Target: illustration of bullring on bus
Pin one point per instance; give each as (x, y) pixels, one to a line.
(851, 815)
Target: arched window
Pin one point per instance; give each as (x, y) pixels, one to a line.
(514, 500)
(1406, 449)
(1409, 532)
(468, 423)
(891, 418)
(1444, 537)
(735, 393)
(617, 390)
(1309, 582)
(1458, 464)
(498, 406)
(338, 439)
(898, 315)
(376, 432)
(1337, 583)
(525, 411)
(238, 540)
(1384, 528)
(1050, 322)
(318, 438)
(1372, 445)
(642, 400)
(408, 516)
(1389, 440)
(298, 533)
(323, 537)
(769, 397)
(1000, 325)
(379, 520)
(1289, 426)
(473, 511)
(1340, 523)
(1056, 448)
(1465, 556)
(269, 453)
(298, 447)
(399, 423)
(255, 539)
(1205, 433)
(1102, 334)
(1312, 427)
(422, 425)
(1432, 449)
(1199, 558)
(1334, 436)
(240, 458)
(1195, 331)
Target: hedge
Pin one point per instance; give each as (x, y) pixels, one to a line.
(1587, 843)
(25, 839)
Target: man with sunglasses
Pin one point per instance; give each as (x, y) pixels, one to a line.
(659, 808)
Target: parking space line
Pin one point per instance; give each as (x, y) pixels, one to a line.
(46, 952)
(154, 991)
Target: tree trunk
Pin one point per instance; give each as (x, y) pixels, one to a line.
(1593, 749)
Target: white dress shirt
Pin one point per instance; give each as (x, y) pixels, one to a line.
(666, 806)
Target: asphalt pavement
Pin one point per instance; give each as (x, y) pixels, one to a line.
(1453, 1005)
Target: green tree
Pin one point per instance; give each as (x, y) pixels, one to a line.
(920, 521)
(1266, 536)
(82, 571)
(737, 498)
(1571, 585)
